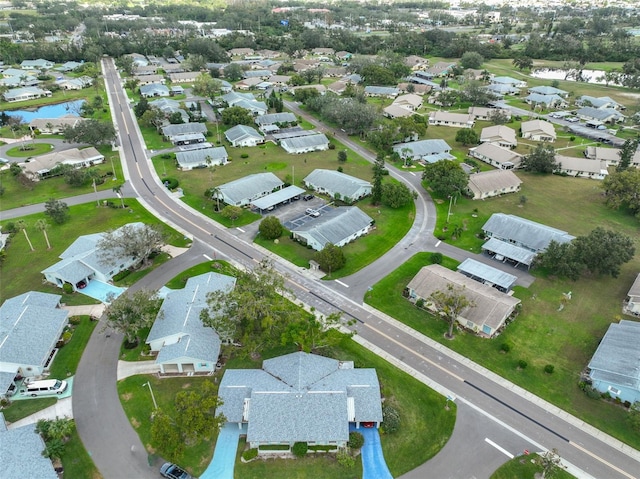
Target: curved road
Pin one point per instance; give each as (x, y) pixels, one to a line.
(504, 414)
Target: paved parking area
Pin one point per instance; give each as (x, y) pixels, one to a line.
(300, 217)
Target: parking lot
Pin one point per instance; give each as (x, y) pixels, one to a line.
(294, 214)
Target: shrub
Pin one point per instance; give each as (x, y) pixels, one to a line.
(356, 440)
(436, 258)
(592, 393)
(121, 275)
(345, 459)
(420, 303)
(332, 146)
(244, 155)
(549, 369)
(9, 227)
(270, 228)
(300, 449)
(75, 320)
(505, 347)
(171, 183)
(250, 454)
(522, 364)
(66, 336)
(67, 288)
(390, 418)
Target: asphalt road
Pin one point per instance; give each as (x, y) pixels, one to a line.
(506, 415)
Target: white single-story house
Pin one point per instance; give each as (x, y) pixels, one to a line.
(26, 93)
(305, 144)
(548, 91)
(381, 91)
(427, 151)
(538, 130)
(508, 81)
(176, 133)
(605, 115)
(21, 453)
(491, 308)
(549, 101)
(30, 326)
(582, 167)
(243, 135)
(244, 191)
(410, 101)
(457, 120)
(338, 226)
(598, 102)
(153, 90)
(40, 167)
(631, 304)
(181, 342)
(279, 119)
(202, 158)
(493, 183)
(615, 366)
(497, 156)
(501, 90)
(610, 155)
(300, 397)
(150, 80)
(501, 135)
(184, 77)
(39, 64)
(82, 262)
(334, 183)
(485, 113)
(396, 111)
(54, 126)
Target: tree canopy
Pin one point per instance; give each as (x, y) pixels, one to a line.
(622, 189)
(57, 210)
(131, 241)
(236, 115)
(331, 258)
(446, 178)
(92, 132)
(540, 160)
(450, 303)
(131, 312)
(467, 136)
(471, 60)
(270, 228)
(396, 195)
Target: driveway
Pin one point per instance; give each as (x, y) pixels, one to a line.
(373, 464)
(224, 455)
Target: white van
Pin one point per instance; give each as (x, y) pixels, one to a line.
(45, 387)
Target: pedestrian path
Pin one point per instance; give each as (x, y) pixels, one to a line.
(373, 464)
(224, 455)
(62, 408)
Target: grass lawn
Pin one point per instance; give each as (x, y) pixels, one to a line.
(21, 409)
(140, 352)
(221, 267)
(28, 150)
(541, 334)
(523, 467)
(68, 356)
(76, 460)
(84, 219)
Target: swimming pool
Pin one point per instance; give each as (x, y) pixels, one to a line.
(101, 291)
(70, 108)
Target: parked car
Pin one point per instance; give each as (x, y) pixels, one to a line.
(312, 212)
(172, 471)
(307, 197)
(573, 119)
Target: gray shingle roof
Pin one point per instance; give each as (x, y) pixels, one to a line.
(547, 90)
(302, 142)
(601, 114)
(21, 453)
(271, 118)
(184, 129)
(179, 316)
(336, 182)
(30, 325)
(425, 148)
(249, 187)
(240, 132)
(335, 226)
(381, 90)
(197, 157)
(617, 359)
(530, 234)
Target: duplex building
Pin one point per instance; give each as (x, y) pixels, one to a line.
(497, 156)
(338, 226)
(457, 120)
(244, 191)
(305, 144)
(334, 183)
(202, 158)
(487, 184)
(425, 151)
(500, 135)
(538, 130)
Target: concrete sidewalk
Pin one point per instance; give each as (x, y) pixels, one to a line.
(62, 408)
(132, 368)
(94, 310)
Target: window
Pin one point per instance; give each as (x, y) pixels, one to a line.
(613, 390)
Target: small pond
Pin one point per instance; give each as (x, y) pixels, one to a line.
(589, 76)
(50, 111)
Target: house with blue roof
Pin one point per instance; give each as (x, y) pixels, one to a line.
(300, 397)
(181, 342)
(30, 326)
(21, 453)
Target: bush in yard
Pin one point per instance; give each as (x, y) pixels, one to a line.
(436, 258)
(300, 449)
(332, 146)
(345, 459)
(390, 418)
(244, 155)
(549, 369)
(420, 303)
(505, 347)
(356, 440)
(522, 364)
(75, 320)
(250, 454)
(270, 228)
(171, 183)
(67, 288)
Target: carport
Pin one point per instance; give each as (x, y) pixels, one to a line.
(267, 203)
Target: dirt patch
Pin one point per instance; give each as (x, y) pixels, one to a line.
(186, 385)
(127, 396)
(635, 96)
(135, 423)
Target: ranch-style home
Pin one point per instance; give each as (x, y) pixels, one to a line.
(202, 158)
(381, 91)
(338, 226)
(154, 90)
(426, 151)
(487, 184)
(43, 166)
(38, 64)
(334, 183)
(54, 126)
(499, 135)
(30, 326)
(305, 144)
(615, 366)
(582, 167)
(491, 308)
(485, 113)
(300, 397)
(243, 135)
(275, 119)
(456, 120)
(24, 94)
(538, 130)
(244, 191)
(181, 342)
(631, 304)
(497, 156)
(185, 133)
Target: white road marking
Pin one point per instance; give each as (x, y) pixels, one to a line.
(207, 257)
(240, 229)
(340, 282)
(501, 449)
(438, 243)
(412, 173)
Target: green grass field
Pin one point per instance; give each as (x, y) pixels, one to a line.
(68, 356)
(523, 467)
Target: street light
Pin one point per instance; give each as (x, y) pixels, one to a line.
(155, 404)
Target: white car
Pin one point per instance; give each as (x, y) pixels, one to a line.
(312, 212)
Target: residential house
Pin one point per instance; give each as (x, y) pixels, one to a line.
(605, 115)
(26, 93)
(499, 135)
(335, 183)
(21, 453)
(493, 183)
(501, 90)
(202, 158)
(489, 309)
(338, 87)
(439, 69)
(509, 81)
(30, 326)
(418, 89)
(232, 98)
(169, 107)
(631, 304)
(518, 239)
(75, 83)
(381, 91)
(83, 262)
(614, 368)
(598, 102)
(141, 71)
(154, 90)
(486, 113)
(139, 60)
(548, 101)
(338, 226)
(283, 119)
(248, 83)
(396, 111)
(488, 275)
(582, 167)
(185, 133)
(242, 135)
(240, 52)
(548, 91)
(538, 130)
(244, 191)
(319, 88)
(334, 72)
(300, 397)
(279, 80)
(496, 156)
(456, 120)
(69, 66)
(410, 101)
(305, 144)
(38, 64)
(181, 342)
(610, 155)
(323, 51)
(416, 63)
(262, 74)
(54, 126)
(425, 151)
(149, 80)
(40, 167)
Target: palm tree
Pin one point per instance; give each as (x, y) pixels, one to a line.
(117, 190)
(43, 226)
(22, 225)
(215, 193)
